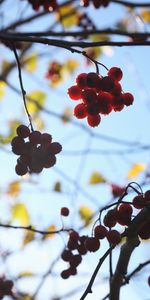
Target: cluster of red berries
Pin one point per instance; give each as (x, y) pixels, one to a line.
(96, 3)
(99, 95)
(48, 5)
(36, 153)
(121, 214)
(5, 287)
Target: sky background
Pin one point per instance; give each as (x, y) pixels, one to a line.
(73, 171)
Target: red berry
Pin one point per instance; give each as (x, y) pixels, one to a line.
(92, 80)
(128, 99)
(93, 109)
(73, 235)
(81, 80)
(89, 96)
(54, 148)
(117, 89)
(117, 190)
(35, 137)
(49, 161)
(138, 201)
(113, 237)
(80, 111)
(66, 255)
(107, 84)
(21, 169)
(46, 138)
(104, 102)
(92, 244)
(94, 121)
(23, 131)
(100, 232)
(75, 260)
(110, 218)
(115, 73)
(74, 92)
(64, 211)
(125, 209)
(65, 274)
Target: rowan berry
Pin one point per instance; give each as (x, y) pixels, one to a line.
(81, 80)
(128, 99)
(94, 121)
(92, 244)
(115, 73)
(100, 232)
(80, 111)
(23, 131)
(74, 92)
(113, 237)
(64, 211)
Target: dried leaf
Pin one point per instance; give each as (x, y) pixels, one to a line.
(20, 213)
(52, 229)
(96, 178)
(14, 188)
(135, 170)
(29, 236)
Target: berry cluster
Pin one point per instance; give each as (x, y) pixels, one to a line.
(36, 153)
(96, 3)
(79, 245)
(99, 95)
(48, 5)
(5, 287)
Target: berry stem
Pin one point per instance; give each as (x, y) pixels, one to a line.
(22, 88)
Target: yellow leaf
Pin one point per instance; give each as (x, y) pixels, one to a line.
(30, 62)
(14, 188)
(71, 65)
(145, 14)
(67, 15)
(135, 170)
(96, 178)
(25, 274)
(85, 214)
(52, 229)
(36, 100)
(20, 213)
(57, 187)
(2, 89)
(29, 236)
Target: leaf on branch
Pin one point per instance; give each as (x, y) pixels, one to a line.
(67, 15)
(38, 97)
(14, 188)
(2, 89)
(29, 237)
(30, 62)
(85, 214)
(135, 170)
(96, 178)
(52, 229)
(20, 213)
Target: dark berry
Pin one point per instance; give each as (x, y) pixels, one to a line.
(64, 211)
(113, 237)
(94, 121)
(92, 244)
(74, 92)
(23, 131)
(80, 111)
(100, 232)
(115, 73)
